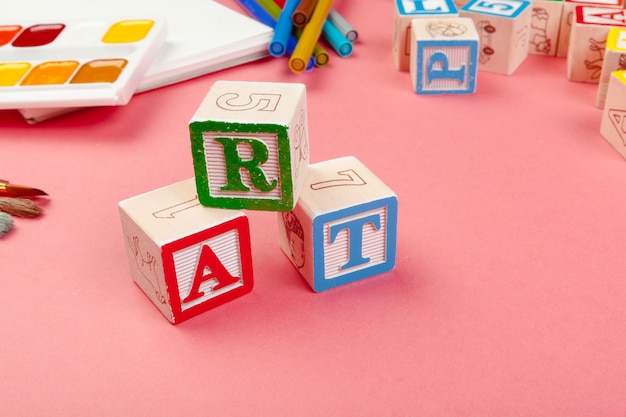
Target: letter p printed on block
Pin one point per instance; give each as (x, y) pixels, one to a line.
(444, 55)
(250, 145)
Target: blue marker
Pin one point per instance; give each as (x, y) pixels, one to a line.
(282, 31)
(336, 39)
(258, 12)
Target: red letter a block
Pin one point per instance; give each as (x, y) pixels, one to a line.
(187, 258)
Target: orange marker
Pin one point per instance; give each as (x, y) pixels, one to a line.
(310, 35)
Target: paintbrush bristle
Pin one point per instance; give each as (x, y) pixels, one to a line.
(20, 207)
(6, 224)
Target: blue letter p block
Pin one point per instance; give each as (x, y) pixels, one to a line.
(444, 56)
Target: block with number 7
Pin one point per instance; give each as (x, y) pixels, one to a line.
(343, 228)
(250, 145)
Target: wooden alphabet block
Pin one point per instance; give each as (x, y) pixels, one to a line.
(503, 27)
(588, 41)
(568, 18)
(250, 145)
(613, 125)
(405, 12)
(186, 258)
(343, 228)
(444, 56)
(614, 60)
(545, 20)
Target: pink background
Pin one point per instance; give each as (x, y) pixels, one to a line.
(508, 297)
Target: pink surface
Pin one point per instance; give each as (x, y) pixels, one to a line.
(508, 297)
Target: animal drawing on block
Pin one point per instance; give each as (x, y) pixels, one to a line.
(405, 12)
(504, 27)
(588, 39)
(568, 17)
(186, 258)
(250, 145)
(544, 27)
(343, 228)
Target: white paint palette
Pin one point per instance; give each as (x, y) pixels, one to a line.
(94, 61)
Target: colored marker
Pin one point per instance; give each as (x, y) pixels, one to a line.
(320, 56)
(283, 28)
(303, 12)
(342, 24)
(336, 39)
(258, 12)
(310, 35)
(263, 16)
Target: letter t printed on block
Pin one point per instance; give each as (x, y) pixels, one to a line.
(250, 145)
(343, 228)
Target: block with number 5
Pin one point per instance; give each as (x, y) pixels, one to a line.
(503, 27)
(343, 228)
(250, 145)
(186, 258)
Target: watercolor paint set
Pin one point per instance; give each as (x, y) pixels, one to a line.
(202, 37)
(76, 62)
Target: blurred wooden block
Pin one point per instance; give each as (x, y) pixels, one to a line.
(544, 27)
(250, 145)
(405, 12)
(613, 125)
(614, 60)
(186, 258)
(568, 18)
(588, 41)
(444, 55)
(503, 27)
(343, 228)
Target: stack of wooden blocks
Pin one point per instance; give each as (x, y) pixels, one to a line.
(189, 243)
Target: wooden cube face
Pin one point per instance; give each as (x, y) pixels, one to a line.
(588, 40)
(405, 12)
(613, 125)
(544, 27)
(444, 56)
(568, 17)
(187, 258)
(343, 228)
(250, 145)
(614, 60)
(503, 27)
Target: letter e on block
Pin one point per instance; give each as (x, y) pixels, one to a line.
(186, 258)
(343, 228)
(250, 145)
(444, 56)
